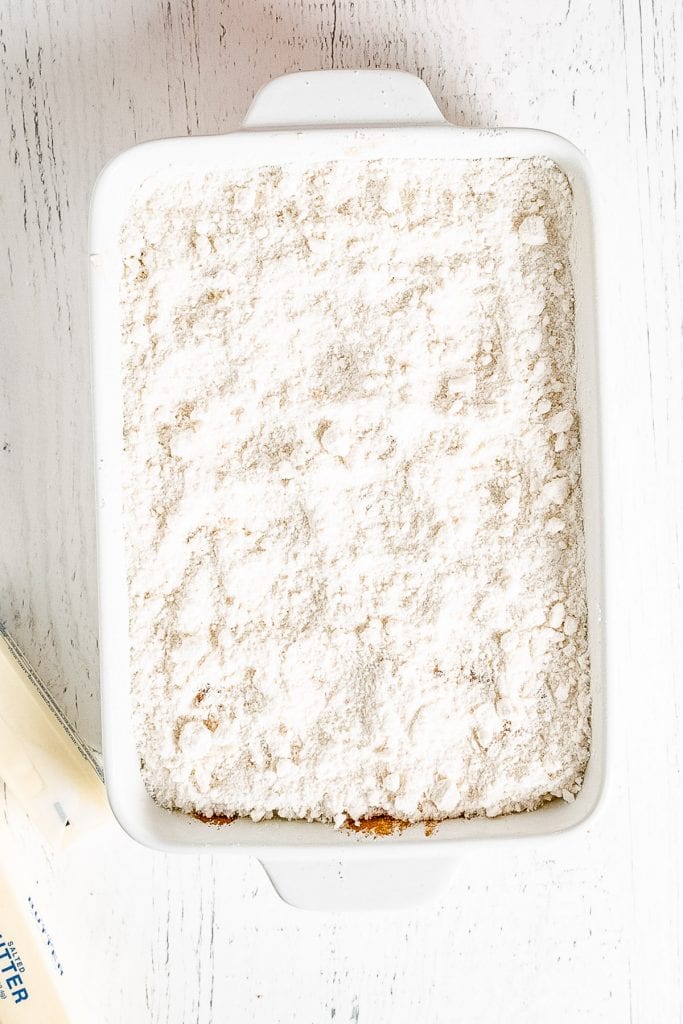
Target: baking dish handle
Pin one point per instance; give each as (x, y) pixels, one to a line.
(333, 885)
(342, 98)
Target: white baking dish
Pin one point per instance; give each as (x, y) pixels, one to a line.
(324, 115)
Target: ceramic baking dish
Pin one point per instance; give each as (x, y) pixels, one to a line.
(324, 115)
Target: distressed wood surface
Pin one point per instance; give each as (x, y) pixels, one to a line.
(588, 929)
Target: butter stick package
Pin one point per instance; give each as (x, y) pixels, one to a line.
(42, 760)
(34, 982)
(54, 777)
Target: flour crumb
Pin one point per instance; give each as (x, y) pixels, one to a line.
(532, 231)
(352, 492)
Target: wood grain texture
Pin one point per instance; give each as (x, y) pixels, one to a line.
(588, 929)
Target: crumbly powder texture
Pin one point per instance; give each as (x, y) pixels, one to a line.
(352, 490)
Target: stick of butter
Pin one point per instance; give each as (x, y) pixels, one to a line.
(42, 760)
(53, 775)
(34, 986)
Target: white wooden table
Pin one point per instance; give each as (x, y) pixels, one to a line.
(590, 931)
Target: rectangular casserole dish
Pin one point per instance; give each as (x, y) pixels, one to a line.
(335, 115)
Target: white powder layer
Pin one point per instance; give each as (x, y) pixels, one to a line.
(352, 491)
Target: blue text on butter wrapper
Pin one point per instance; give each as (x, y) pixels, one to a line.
(12, 970)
